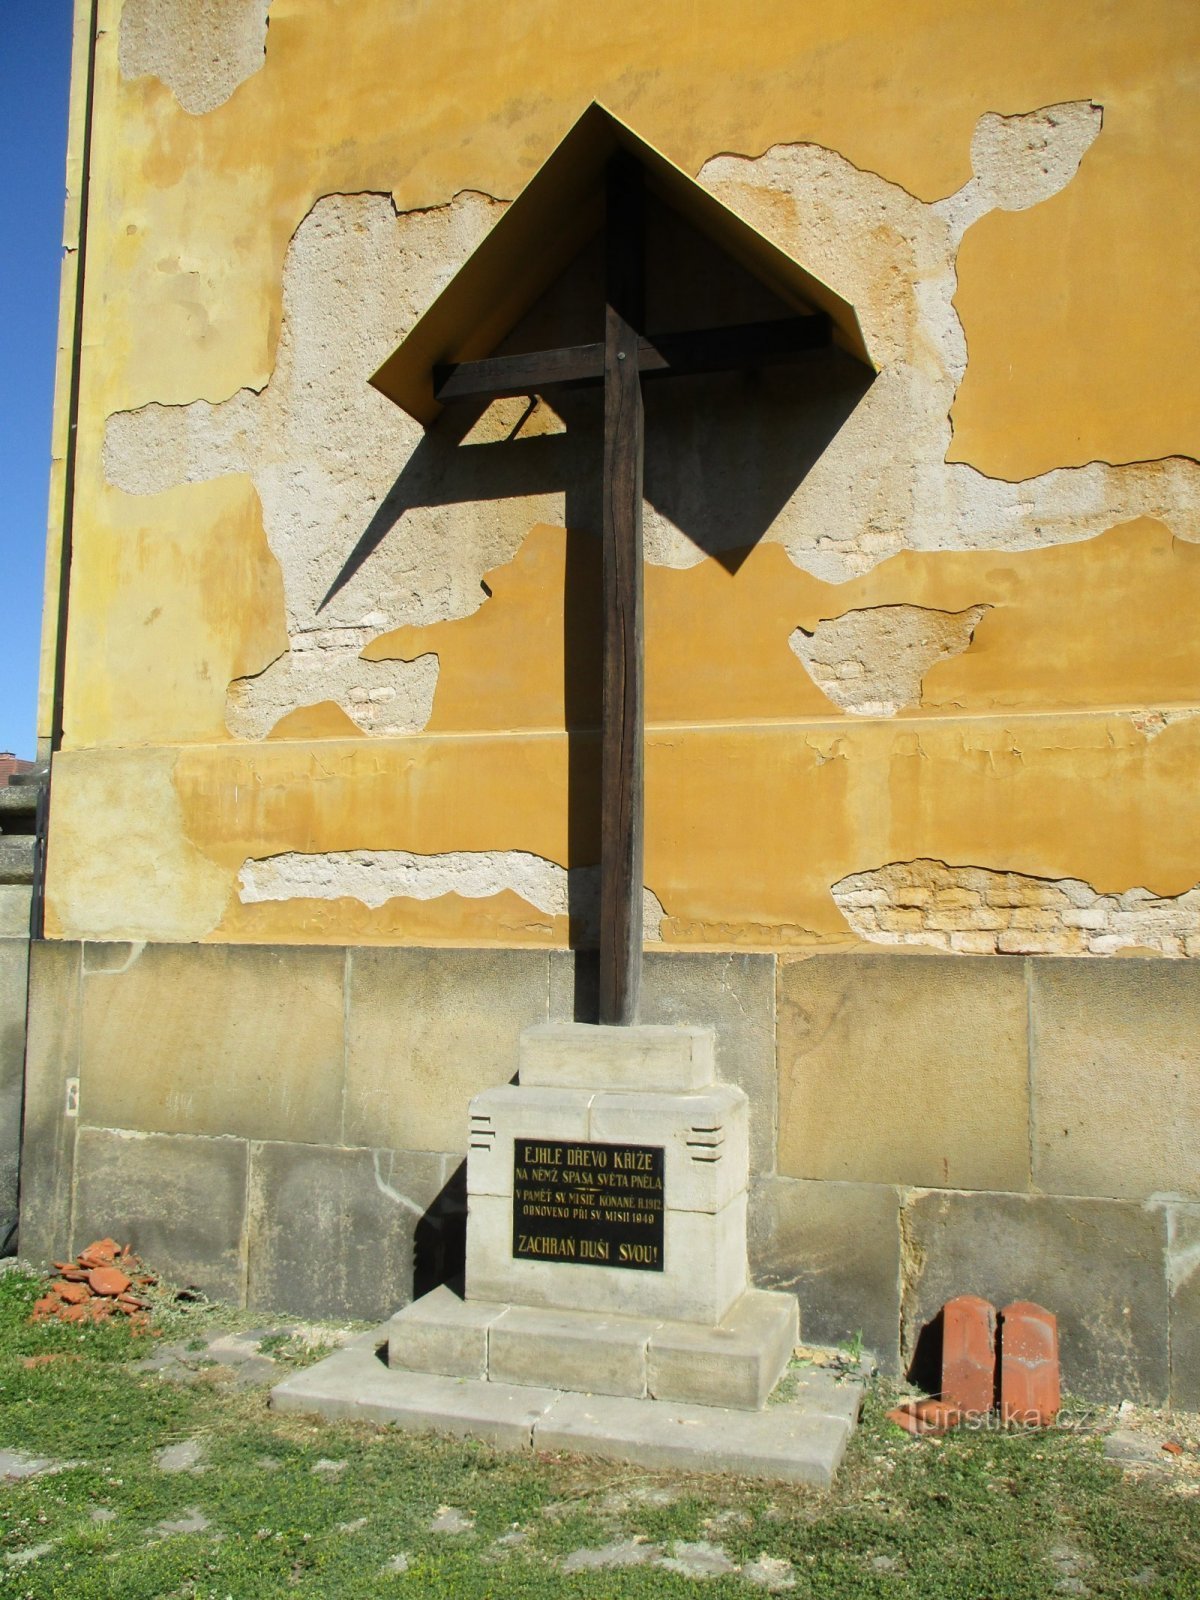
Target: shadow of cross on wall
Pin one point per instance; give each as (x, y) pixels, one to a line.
(695, 310)
(725, 451)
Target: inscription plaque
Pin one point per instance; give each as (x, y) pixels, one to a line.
(596, 1204)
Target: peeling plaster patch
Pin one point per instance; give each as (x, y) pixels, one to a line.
(201, 49)
(978, 911)
(323, 449)
(871, 662)
(1152, 723)
(883, 483)
(336, 466)
(377, 876)
(1019, 161)
(380, 697)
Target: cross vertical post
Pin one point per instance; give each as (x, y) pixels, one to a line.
(621, 812)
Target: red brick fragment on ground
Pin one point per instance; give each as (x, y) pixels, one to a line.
(1029, 1376)
(108, 1281)
(969, 1353)
(100, 1253)
(71, 1294)
(96, 1286)
(926, 1416)
(938, 1416)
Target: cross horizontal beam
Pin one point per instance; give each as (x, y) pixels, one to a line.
(749, 344)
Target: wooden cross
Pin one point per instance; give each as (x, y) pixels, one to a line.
(626, 356)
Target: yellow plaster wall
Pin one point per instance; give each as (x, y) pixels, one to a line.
(746, 827)
(1072, 627)
(1080, 326)
(197, 210)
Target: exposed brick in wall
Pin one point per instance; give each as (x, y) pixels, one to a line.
(975, 911)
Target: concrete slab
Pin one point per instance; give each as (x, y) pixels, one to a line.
(786, 1442)
(801, 1439)
(355, 1385)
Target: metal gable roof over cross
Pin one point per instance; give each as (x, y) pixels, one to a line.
(597, 182)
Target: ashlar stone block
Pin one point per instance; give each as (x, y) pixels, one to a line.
(499, 1117)
(51, 1063)
(577, 1055)
(836, 1247)
(1097, 1264)
(1116, 1077)
(443, 1333)
(213, 1039)
(564, 1350)
(427, 1029)
(737, 1363)
(704, 1136)
(179, 1201)
(904, 1069)
(363, 1206)
(704, 1267)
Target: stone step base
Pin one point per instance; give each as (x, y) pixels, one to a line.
(735, 1364)
(800, 1438)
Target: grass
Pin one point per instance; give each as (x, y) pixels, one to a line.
(977, 1516)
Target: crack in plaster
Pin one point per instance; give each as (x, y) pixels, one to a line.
(978, 911)
(376, 876)
(201, 49)
(871, 662)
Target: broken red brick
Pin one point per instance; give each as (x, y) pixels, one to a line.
(45, 1360)
(48, 1306)
(969, 1353)
(71, 1294)
(919, 1417)
(73, 1313)
(100, 1253)
(1029, 1377)
(1173, 1447)
(904, 1417)
(937, 1416)
(108, 1281)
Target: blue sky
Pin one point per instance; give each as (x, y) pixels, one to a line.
(35, 60)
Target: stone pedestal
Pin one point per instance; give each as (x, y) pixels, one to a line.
(606, 1230)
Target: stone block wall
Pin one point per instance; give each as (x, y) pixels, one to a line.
(14, 960)
(285, 1127)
